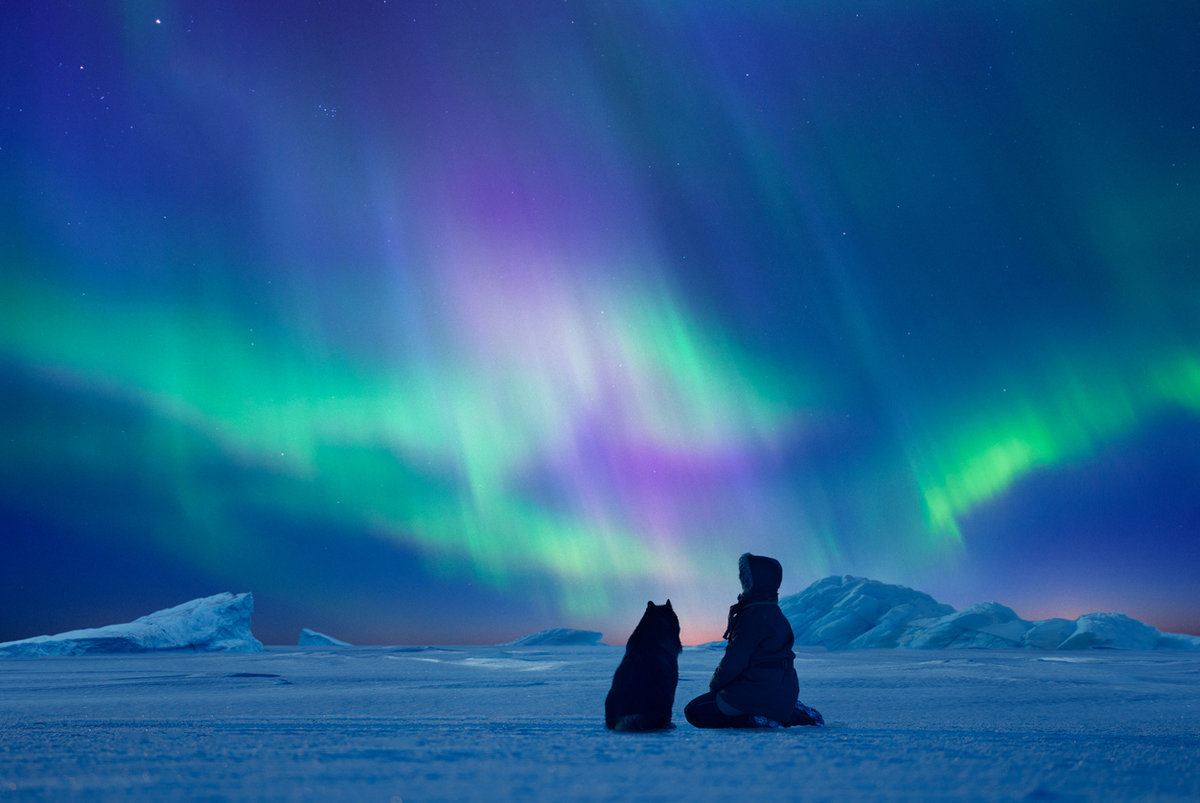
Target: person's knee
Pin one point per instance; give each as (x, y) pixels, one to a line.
(726, 708)
(690, 710)
(703, 712)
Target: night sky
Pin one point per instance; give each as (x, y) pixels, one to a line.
(450, 322)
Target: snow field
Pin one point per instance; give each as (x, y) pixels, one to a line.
(505, 723)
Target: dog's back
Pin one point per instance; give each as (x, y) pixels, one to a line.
(643, 687)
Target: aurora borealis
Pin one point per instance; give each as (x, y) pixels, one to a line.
(446, 323)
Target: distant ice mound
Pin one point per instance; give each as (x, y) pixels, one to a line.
(220, 623)
(558, 636)
(311, 638)
(1113, 630)
(855, 613)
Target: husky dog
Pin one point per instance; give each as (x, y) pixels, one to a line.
(643, 687)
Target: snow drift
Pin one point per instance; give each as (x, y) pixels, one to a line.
(855, 613)
(220, 623)
(558, 636)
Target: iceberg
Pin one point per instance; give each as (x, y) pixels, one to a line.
(1111, 630)
(220, 623)
(1047, 634)
(987, 625)
(559, 636)
(856, 613)
(311, 638)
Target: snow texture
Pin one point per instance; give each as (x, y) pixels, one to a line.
(562, 636)
(311, 638)
(855, 613)
(220, 623)
(507, 723)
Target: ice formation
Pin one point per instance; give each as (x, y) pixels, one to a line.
(560, 636)
(220, 623)
(854, 613)
(311, 638)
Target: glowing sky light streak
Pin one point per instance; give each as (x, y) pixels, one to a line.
(515, 398)
(1084, 412)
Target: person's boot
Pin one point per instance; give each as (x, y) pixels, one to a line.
(803, 715)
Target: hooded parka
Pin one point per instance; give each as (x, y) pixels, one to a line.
(756, 675)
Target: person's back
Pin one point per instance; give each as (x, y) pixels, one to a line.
(756, 676)
(755, 683)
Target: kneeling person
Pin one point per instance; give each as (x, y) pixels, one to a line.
(755, 683)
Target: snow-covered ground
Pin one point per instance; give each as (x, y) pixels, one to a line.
(526, 723)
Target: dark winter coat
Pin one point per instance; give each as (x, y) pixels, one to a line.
(756, 675)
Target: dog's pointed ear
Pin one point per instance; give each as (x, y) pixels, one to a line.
(668, 605)
(649, 604)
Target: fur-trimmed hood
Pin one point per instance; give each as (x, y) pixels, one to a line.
(760, 575)
(760, 578)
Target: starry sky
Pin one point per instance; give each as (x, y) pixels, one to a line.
(450, 322)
